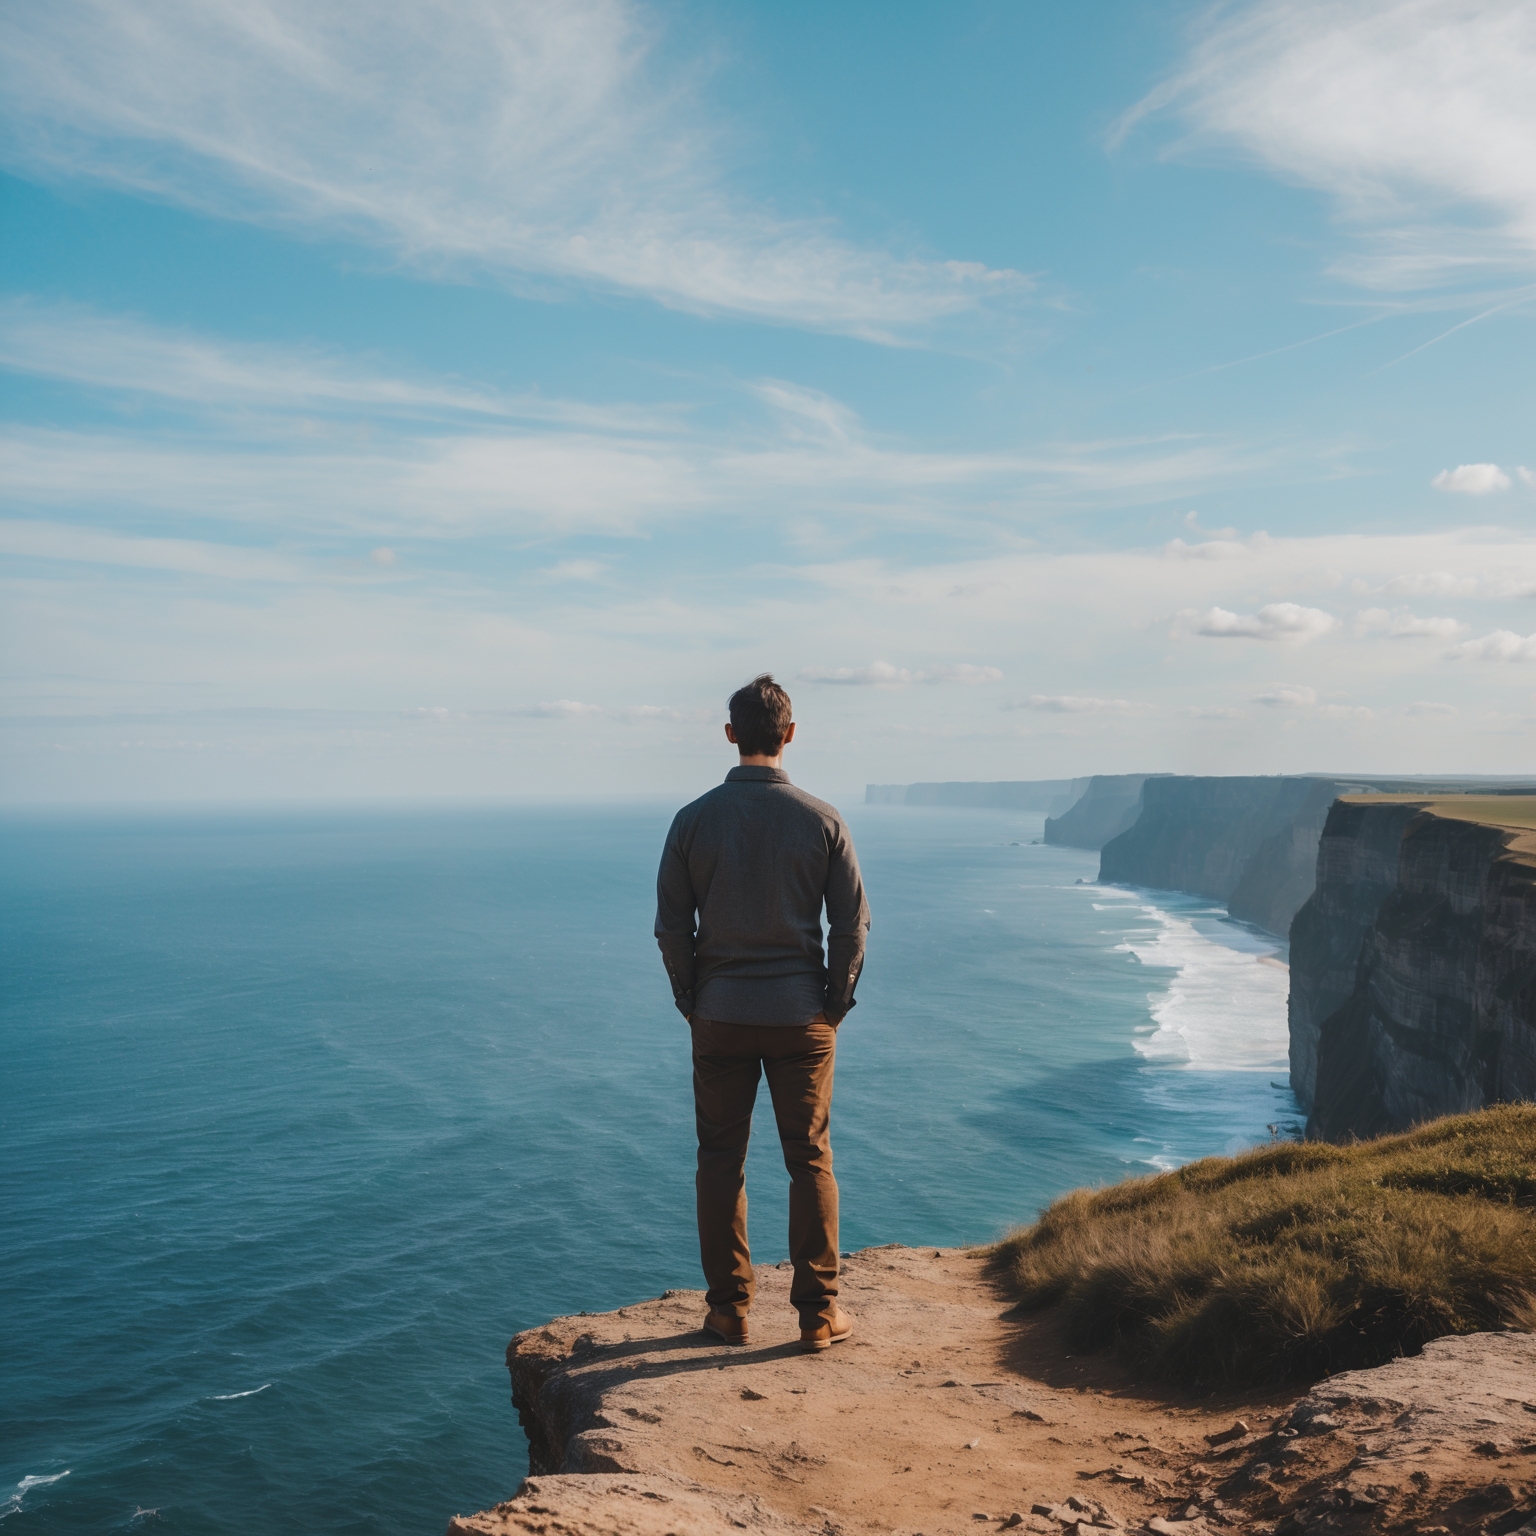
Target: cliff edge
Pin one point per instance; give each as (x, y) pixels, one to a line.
(1413, 965)
(946, 1412)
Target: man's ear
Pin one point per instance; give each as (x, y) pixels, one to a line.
(730, 733)
(789, 735)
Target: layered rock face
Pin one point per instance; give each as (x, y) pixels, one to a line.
(1356, 862)
(1110, 803)
(1250, 842)
(1413, 967)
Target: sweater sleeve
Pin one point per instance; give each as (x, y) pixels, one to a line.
(847, 925)
(675, 920)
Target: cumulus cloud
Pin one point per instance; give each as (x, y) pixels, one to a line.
(526, 141)
(1417, 116)
(1404, 625)
(1501, 645)
(881, 674)
(1471, 479)
(1071, 704)
(1429, 707)
(1288, 696)
(1274, 621)
(1528, 476)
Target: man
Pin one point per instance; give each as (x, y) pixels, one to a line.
(744, 875)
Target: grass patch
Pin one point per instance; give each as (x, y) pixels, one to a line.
(1297, 1260)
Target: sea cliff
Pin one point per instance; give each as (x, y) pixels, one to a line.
(1413, 965)
(1107, 805)
(1249, 842)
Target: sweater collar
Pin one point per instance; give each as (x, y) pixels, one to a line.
(757, 775)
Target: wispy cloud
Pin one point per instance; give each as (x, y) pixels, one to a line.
(1071, 704)
(1290, 622)
(1288, 696)
(1471, 479)
(286, 436)
(881, 674)
(1427, 584)
(1417, 116)
(522, 140)
(79, 345)
(88, 546)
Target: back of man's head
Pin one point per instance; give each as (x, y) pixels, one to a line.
(760, 717)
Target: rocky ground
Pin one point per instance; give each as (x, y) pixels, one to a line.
(945, 1413)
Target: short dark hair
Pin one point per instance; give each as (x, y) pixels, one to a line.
(760, 715)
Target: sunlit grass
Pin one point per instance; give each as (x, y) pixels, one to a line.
(1296, 1260)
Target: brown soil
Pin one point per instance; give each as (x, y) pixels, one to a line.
(944, 1410)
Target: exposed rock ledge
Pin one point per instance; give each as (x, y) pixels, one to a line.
(944, 1412)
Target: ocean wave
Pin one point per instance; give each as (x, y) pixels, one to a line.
(12, 1505)
(229, 1397)
(1224, 1008)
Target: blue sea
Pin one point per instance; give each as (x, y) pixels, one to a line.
(305, 1114)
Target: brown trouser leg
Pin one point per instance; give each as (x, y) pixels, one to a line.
(798, 1062)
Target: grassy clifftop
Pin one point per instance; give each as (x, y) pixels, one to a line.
(1490, 810)
(1296, 1260)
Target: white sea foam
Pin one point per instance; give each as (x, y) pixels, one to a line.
(1224, 1008)
(229, 1397)
(12, 1505)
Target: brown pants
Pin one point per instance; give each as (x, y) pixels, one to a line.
(798, 1063)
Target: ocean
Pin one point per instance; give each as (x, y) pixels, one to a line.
(306, 1113)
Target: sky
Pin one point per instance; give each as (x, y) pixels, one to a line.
(458, 399)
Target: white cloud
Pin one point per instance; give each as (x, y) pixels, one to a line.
(1288, 696)
(523, 140)
(1417, 116)
(1471, 479)
(1429, 707)
(881, 674)
(38, 540)
(1211, 549)
(575, 570)
(1527, 475)
(1427, 584)
(1274, 621)
(1071, 704)
(1404, 625)
(558, 709)
(1501, 645)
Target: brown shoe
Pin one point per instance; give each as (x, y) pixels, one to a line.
(831, 1330)
(727, 1327)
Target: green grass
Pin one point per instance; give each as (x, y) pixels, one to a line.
(1296, 1260)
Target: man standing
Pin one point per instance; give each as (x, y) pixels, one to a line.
(744, 874)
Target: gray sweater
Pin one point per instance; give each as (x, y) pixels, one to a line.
(744, 874)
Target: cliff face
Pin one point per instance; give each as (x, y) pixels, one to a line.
(1250, 842)
(1413, 967)
(1357, 861)
(1105, 809)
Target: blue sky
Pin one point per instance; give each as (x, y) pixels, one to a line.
(459, 399)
